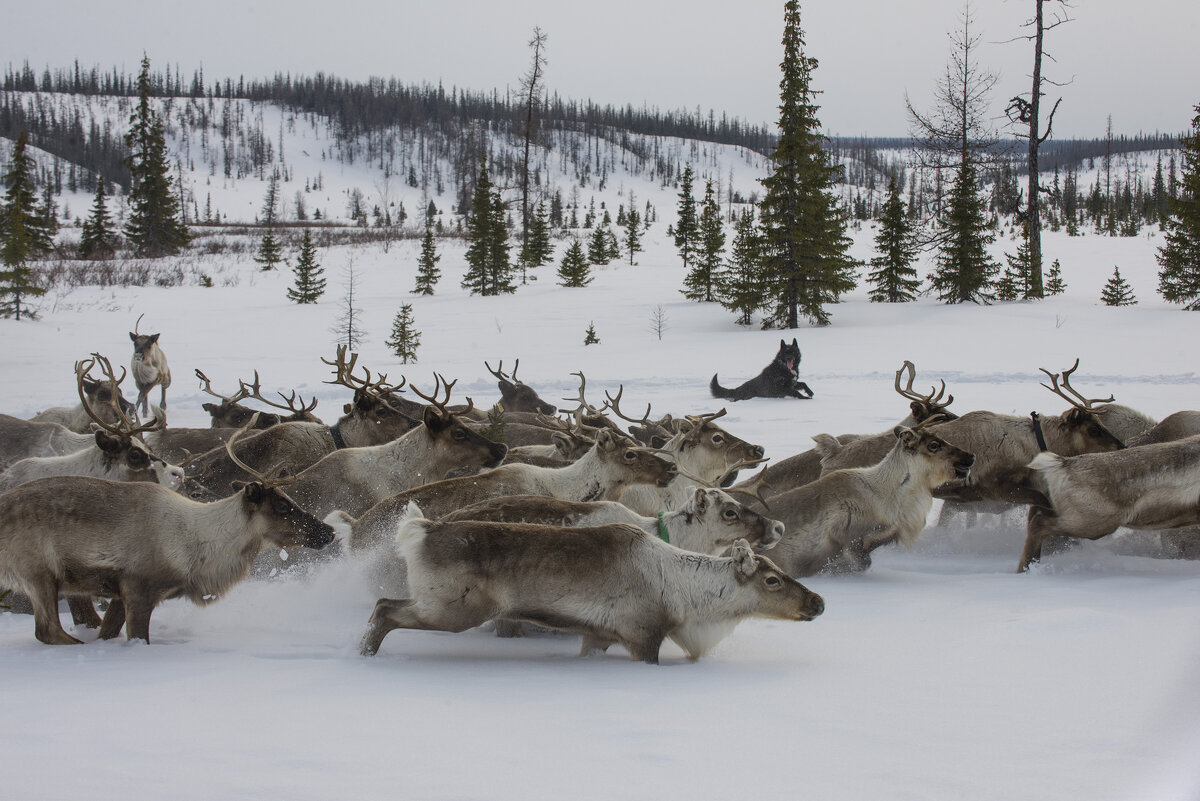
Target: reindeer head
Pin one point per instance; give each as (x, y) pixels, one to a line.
(517, 396)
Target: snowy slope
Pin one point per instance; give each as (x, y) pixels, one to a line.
(938, 674)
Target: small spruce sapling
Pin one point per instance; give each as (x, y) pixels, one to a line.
(1117, 291)
(590, 337)
(404, 339)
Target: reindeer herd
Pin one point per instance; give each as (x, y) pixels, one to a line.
(626, 529)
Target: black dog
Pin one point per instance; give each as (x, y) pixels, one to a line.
(779, 379)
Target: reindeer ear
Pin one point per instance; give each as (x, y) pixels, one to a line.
(434, 421)
(905, 435)
(253, 491)
(700, 499)
(743, 557)
(561, 442)
(604, 440)
(107, 442)
(132, 337)
(153, 338)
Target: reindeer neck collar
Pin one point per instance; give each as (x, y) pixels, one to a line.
(336, 433)
(1037, 431)
(662, 529)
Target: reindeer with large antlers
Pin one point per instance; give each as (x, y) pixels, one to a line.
(374, 417)
(137, 543)
(230, 413)
(517, 396)
(703, 452)
(116, 452)
(101, 394)
(836, 521)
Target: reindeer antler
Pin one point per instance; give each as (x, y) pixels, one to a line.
(500, 374)
(614, 403)
(126, 428)
(440, 383)
(754, 488)
(584, 407)
(254, 391)
(934, 402)
(1078, 401)
(264, 479)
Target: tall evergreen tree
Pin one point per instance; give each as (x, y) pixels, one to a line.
(740, 286)
(599, 250)
(99, 238)
(310, 277)
(1179, 257)
(18, 241)
(893, 278)
(956, 139)
(155, 226)
(488, 269)
(1017, 280)
(687, 227)
(427, 269)
(806, 249)
(404, 339)
(20, 200)
(633, 234)
(537, 248)
(700, 282)
(965, 270)
(574, 271)
(1117, 292)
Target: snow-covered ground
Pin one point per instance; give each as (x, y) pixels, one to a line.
(938, 674)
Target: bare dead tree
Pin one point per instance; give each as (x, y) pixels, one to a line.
(531, 89)
(956, 131)
(348, 328)
(1027, 112)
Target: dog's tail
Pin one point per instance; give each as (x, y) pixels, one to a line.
(719, 391)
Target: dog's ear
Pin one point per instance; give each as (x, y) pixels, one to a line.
(794, 345)
(782, 344)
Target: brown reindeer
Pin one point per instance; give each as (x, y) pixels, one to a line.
(612, 583)
(149, 366)
(230, 413)
(137, 543)
(1091, 495)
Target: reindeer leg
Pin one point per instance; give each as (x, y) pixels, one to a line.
(391, 614)
(43, 595)
(82, 611)
(594, 644)
(114, 619)
(139, 601)
(1038, 525)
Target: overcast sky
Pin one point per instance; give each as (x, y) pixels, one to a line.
(1135, 61)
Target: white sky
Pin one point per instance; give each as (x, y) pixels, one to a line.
(1135, 61)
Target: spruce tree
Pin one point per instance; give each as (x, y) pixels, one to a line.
(700, 283)
(574, 270)
(1055, 285)
(537, 248)
(893, 278)
(1016, 281)
(20, 201)
(739, 287)
(488, 269)
(270, 251)
(598, 245)
(964, 269)
(633, 234)
(589, 336)
(806, 250)
(427, 270)
(687, 229)
(404, 339)
(1179, 257)
(955, 139)
(310, 277)
(1117, 291)
(18, 240)
(155, 226)
(98, 239)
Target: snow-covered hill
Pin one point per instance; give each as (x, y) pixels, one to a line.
(938, 674)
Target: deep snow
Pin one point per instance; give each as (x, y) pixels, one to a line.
(938, 674)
